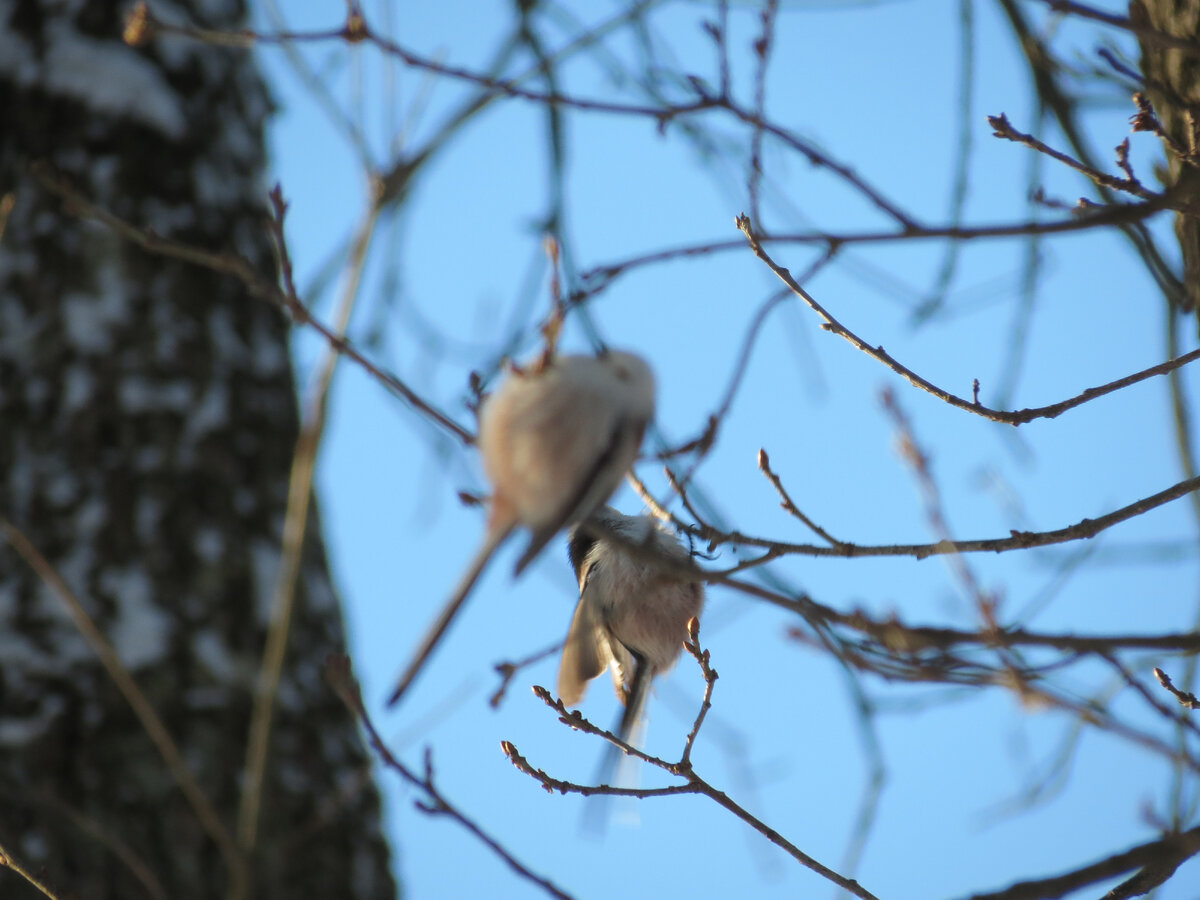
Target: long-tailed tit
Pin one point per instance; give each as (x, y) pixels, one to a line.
(633, 612)
(556, 440)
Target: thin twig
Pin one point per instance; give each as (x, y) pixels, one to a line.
(764, 466)
(1168, 853)
(554, 99)
(8, 861)
(1151, 35)
(693, 783)
(1172, 715)
(341, 679)
(963, 146)
(150, 722)
(1129, 185)
(107, 837)
(237, 267)
(296, 516)
(1018, 540)
(703, 660)
(762, 52)
(506, 671)
(599, 277)
(704, 444)
(1015, 417)
(1186, 699)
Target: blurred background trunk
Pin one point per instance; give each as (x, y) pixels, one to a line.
(1172, 78)
(148, 419)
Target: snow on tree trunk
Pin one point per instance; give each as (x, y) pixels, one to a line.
(147, 424)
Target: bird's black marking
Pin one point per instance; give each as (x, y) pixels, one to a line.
(580, 545)
(570, 510)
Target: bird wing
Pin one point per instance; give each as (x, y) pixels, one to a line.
(581, 660)
(588, 492)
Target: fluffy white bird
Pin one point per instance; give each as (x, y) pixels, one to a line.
(632, 614)
(556, 440)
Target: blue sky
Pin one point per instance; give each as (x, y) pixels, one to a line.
(460, 271)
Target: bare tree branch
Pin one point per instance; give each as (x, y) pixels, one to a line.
(1017, 417)
(1157, 860)
(341, 679)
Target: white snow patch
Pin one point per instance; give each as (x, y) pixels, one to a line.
(77, 388)
(48, 219)
(22, 659)
(62, 488)
(139, 632)
(210, 544)
(69, 646)
(105, 75)
(137, 394)
(213, 653)
(148, 459)
(223, 335)
(21, 732)
(89, 319)
(213, 184)
(15, 54)
(20, 259)
(74, 570)
(89, 518)
(293, 779)
(239, 142)
(20, 479)
(33, 844)
(166, 218)
(228, 670)
(245, 501)
(147, 518)
(103, 172)
(169, 328)
(174, 50)
(270, 354)
(288, 696)
(264, 565)
(17, 330)
(37, 392)
(211, 413)
(320, 592)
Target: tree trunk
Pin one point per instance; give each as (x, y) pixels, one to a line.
(147, 424)
(1172, 81)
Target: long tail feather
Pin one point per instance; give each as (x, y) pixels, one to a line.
(491, 542)
(617, 768)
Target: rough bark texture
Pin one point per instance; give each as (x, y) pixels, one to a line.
(147, 422)
(1173, 87)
